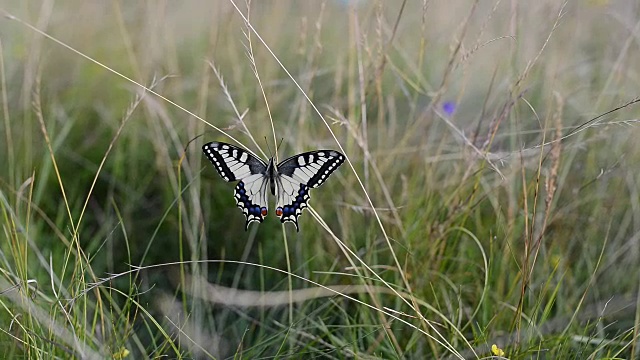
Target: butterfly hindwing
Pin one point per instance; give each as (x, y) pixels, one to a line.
(251, 197)
(233, 164)
(298, 174)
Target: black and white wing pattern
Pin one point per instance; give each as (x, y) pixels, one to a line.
(235, 164)
(299, 173)
(292, 178)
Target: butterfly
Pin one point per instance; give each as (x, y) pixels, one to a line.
(290, 179)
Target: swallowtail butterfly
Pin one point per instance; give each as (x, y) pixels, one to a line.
(290, 179)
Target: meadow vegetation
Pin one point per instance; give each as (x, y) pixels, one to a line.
(489, 207)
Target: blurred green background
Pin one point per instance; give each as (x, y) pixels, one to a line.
(485, 202)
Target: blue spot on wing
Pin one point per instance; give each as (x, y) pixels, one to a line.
(252, 211)
(291, 212)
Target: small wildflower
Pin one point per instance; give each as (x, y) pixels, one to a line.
(121, 354)
(496, 350)
(449, 107)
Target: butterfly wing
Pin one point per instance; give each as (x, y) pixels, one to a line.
(297, 174)
(235, 164)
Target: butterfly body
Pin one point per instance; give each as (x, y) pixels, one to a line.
(289, 180)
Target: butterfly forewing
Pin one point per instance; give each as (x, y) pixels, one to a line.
(297, 174)
(233, 164)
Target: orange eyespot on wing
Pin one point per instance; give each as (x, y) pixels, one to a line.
(279, 212)
(264, 211)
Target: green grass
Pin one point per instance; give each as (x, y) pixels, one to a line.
(513, 220)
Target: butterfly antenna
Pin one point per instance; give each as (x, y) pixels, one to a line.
(278, 147)
(268, 147)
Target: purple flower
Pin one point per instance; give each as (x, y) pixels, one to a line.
(449, 107)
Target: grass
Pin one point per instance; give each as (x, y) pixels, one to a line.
(486, 209)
